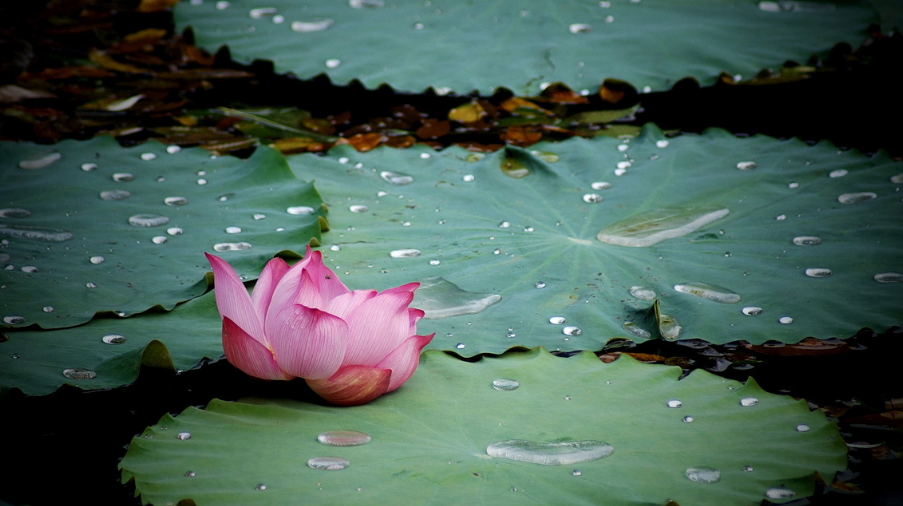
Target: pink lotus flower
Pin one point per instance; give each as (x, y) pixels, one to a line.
(350, 346)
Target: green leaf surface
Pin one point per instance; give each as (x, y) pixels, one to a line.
(109, 352)
(532, 240)
(408, 44)
(430, 437)
(70, 253)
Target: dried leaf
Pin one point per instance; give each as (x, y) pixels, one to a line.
(559, 93)
(521, 135)
(292, 145)
(433, 129)
(156, 5)
(106, 61)
(146, 36)
(365, 142)
(11, 94)
(467, 113)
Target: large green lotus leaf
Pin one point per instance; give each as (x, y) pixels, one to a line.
(109, 352)
(533, 240)
(409, 44)
(70, 251)
(430, 438)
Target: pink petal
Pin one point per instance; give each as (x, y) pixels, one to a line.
(379, 325)
(312, 294)
(247, 354)
(326, 281)
(232, 299)
(352, 385)
(404, 359)
(266, 284)
(307, 342)
(345, 303)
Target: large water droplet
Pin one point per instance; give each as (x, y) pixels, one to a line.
(333, 63)
(113, 339)
(572, 331)
(779, 493)
(312, 25)
(557, 320)
(550, 454)
(703, 474)
(328, 463)
(888, 277)
(662, 143)
(260, 486)
(362, 4)
(785, 320)
(358, 209)
(642, 292)
(29, 269)
(688, 419)
(174, 231)
(748, 401)
(231, 246)
(13, 320)
(439, 298)
(97, 260)
(89, 167)
(632, 329)
(467, 178)
(752, 310)
(300, 210)
(838, 173)
(801, 427)
(114, 195)
(148, 220)
(14, 212)
(48, 309)
(655, 226)
(233, 230)
(148, 156)
(37, 233)
(343, 438)
(855, 198)
(405, 253)
(601, 185)
(505, 384)
(675, 403)
(40, 162)
(77, 373)
(710, 292)
(580, 28)
(818, 272)
(159, 239)
(512, 167)
(123, 177)
(746, 165)
(592, 198)
(807, 240)
(175, 201)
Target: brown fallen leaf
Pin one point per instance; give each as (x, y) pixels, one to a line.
(433, 128)
(467, 113)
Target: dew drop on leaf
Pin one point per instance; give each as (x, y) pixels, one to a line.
(653, 227)
(807, 240)
(159, 239)
(557, 320)
(405, 253)
(505, 384)
(113, 339)
(779, 493)
(39, 162)
(231, 246)
(550, 454)
(752, 310)
(312, 25)
(748, 401)
(703, 474)
(296, 210)
(175, 201)
(818, 272)
(746, 165)
(148, 220)
(97, 260)
(888, 277)
(183, 436)
(13, 320)
(77, 373)
(114, 195)
(343, 438)
(328, 463)
(855, 198)
(708, 291)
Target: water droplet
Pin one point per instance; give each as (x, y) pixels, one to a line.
(624, 165)
(803, 428)
(580, 28)
(752, 310)
(148, 156)
(668, 326)
(47, 309)
(642, 292)
(576, 472)
(190, 474)
(838, 173)
(202, 181)
(632, 329)
(688, 419)
(300, 210)
(675, 403)
(622, 147)
(77, 373)
(361, 4)
(343, 438)
(328, 463)
(818, 272)
(222, 5)
(746, 165)
(113, 339)
(779, 493)
(528, 229)
(748, 401)
(550, 454)
(38, 233)
(467, 178)
(661, 143)
(439, 298)
(114, 195)
(793, 185)
(855, 198)
(807, 240)
(90, 285)
(14, 212)
(312, 25)
(173, 149)
(557, 320)
(620, 172)
(703, 474)
(435, 262)
(175, 201)
(29, 269)
(571, 331)
(405, 253)
(96, 260)
(888, 277)
(592, 198)
(333, 63)
(148, 220)
(183, 436)
(546, 156)
(601, 185)
(710, 292)
(780, 217)
(747, 469)
(40, 162)
(13, 320)
(460, 346)
(505, 384)
(88, 167)
(786, 320)
(262, 486)
(159, 239)
(233, 230)
(231, 246)
(653, 227)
